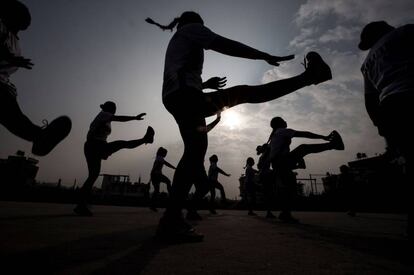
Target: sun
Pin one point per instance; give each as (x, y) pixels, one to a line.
(231, 119)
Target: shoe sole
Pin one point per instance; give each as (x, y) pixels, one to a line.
(54, 133)
(323, 66)
(339, 144)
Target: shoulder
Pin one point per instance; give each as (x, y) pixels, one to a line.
(104, 116)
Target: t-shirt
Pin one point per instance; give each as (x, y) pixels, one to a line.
(213, 171)
(185, 56)
(389, 66)
(10, 42)
(100, 127)
(158, 165)
(250, 173)
(280, 142)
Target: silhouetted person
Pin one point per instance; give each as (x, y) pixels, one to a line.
(157, 176)
(97, 148)
(15, 17)
(266, 178)
(183, 97)
(388, 72)
(213, 173)
(250, 185)
(284, 161)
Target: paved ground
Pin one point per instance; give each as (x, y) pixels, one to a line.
(45, 238)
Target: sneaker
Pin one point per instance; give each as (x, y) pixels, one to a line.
(177, 230)
(149, 135)
(51, 135)
(336, 141)
(82, 210)
(316, 69)
(193, 216)
(287, 217)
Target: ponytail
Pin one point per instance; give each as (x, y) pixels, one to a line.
(185, 18)
(170, 26)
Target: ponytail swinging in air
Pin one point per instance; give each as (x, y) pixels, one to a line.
(185, 18)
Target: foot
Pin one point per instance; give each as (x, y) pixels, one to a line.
(336, 141)
(153, 208)
(193, 216)
(301, 164)
(317, 70)
(177, 230)
(82, 210)
(51, 135)
(251, 213)
(287, 217)
(149, 135)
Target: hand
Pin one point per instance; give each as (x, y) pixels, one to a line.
(215, 83)
(274, 60)
(140, 116)
(20, 61)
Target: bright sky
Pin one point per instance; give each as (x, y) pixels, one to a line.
(87, 52)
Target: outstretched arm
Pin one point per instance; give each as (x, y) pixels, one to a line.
(233, 48)
(210, 126)
(128, 118)
(169, 164)
(222, 172)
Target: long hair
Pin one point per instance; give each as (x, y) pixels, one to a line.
(185, 18)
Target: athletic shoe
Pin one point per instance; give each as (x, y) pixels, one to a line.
(82, 210)
(149, 135)
(213, 211)
(316, 69)
(270, 215)
(51, 135)
(336, 141)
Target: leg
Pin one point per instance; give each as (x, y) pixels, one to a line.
(14, 120)
(220, 187)
(317, 71)
(94, 167)
(167, 181)
(156, 184)
(305, 149)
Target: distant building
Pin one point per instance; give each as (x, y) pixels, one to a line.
(120, 185)
(18, 170)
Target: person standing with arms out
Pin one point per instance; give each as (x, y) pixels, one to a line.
(183, 97)
(388, 72)
(15, 17)
(213, 173)
(284, 161)
(157, 176)
(97, 148)
(250, 185)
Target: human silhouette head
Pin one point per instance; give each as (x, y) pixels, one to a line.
(249, 161)
(109, 107)
(373, 32)
(162, 152)
(15, 15)
(278, 122)
(213, 158)
(186, 17)
(260, 149)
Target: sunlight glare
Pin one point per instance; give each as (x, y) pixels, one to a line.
(231, 119)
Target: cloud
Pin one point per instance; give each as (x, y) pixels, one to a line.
(396, 12)
(339, 33)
